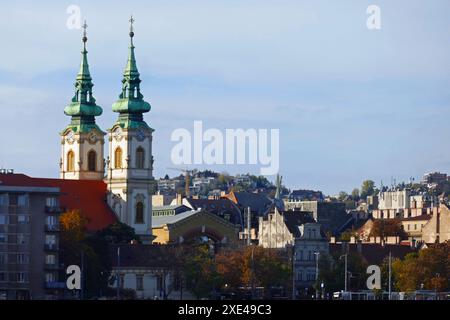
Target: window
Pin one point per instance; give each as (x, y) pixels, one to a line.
(70, 161)
(22, 200)
(23, 219)
(139, 213)
(3, 238)
(3, 219)
(3, 199)
(50, 277)
(3, 258)
(139, 282)
(22, 238)
(50, 259)
(50, 239)
(21, 277)
(2, 277)
(118, 158)
(415, 227)
(22, 258)
(140, 158)
(51, 202)
(52, 222)
(92, 160)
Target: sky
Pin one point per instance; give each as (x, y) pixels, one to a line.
(350, 103)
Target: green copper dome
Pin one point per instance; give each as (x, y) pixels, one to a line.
(83, 108)
(131, 102)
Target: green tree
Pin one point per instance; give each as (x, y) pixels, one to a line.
(200, 271)
(355, 194)
(367, 188)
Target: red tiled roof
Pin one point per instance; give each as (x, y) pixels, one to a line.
(89, 196)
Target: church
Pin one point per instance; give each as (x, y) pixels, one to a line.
(127, 170)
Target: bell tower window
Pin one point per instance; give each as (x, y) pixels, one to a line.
(139, 219)
(92, 160)
(140, 158)
(118, 158)
(70, 161)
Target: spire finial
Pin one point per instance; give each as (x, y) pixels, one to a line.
(84, 26)
(131, 28)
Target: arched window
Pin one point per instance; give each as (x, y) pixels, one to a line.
(118, 158)
(92, 160)
(70, 161)
(140, 158)
(139, 219)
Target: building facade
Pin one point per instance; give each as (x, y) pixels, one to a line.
(29, 240)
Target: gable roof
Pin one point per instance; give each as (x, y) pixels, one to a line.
(218, 207)
(373, 253)
(142, 256)
(293, 219)
(89, 196)
(258, 202)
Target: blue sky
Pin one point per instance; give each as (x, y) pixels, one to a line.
(350, 103)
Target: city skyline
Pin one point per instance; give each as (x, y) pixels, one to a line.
(351, 104)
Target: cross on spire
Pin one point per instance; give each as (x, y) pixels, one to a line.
(131, 29)
(84, 26)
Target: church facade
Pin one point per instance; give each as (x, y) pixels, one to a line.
(128, 169)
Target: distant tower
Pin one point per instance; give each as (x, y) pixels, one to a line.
(82, 140)
(279, 204)
(130, 162)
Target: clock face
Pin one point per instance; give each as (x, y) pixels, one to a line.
(117, 133)
(140, 135)
(92, 137)
(70, 136)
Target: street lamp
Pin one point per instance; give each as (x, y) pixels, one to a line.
(317, 254)
(345, 277)
(322, 285)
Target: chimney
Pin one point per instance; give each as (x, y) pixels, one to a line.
(179, 199)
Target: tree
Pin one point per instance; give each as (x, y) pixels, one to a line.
(118, 232)
(430, 267)
(200, 271)
(387, 228)
(355, 194)
(367, 188)
(342, 195)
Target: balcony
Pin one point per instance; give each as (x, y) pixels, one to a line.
(51, 228)
(55, 285)
(51, 247)
(52, 266)
(53, 209)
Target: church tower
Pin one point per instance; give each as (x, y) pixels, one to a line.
(82, 140)
(130, 161)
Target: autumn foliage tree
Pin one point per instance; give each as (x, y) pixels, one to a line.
(430, 267)
(387, 228)
(253, 266)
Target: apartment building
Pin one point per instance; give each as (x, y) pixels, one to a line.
(29, 227)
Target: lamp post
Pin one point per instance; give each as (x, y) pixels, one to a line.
(293, 272)
(317, 254)
(345, 276)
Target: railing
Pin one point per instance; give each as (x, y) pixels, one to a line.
(53, 209)
(54, 285)
(51, 228)
(50, 247)
(52, 266)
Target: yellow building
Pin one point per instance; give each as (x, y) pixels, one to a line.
(191, 225)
